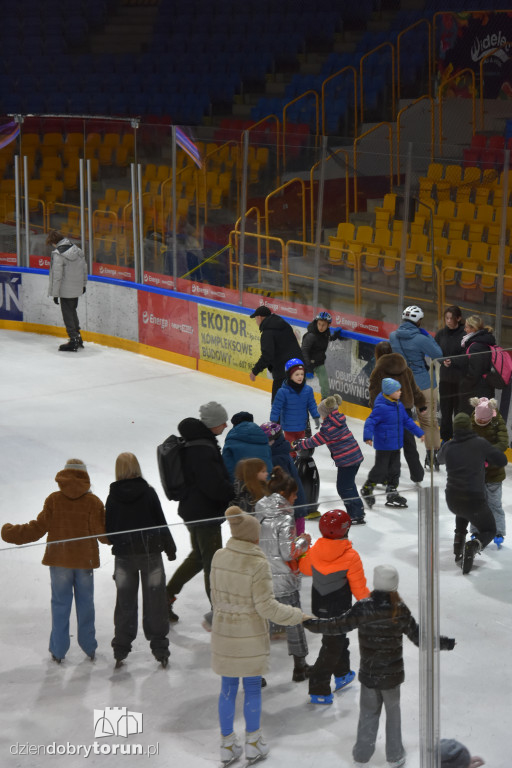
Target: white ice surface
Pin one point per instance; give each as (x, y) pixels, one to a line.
(99, 402)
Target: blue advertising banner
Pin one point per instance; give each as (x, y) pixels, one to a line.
(11, 307)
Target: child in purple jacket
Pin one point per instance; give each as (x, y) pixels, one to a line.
(345, 453)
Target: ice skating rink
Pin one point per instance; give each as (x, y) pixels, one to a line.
(93, 405)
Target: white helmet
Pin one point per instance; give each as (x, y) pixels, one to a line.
(413, 313)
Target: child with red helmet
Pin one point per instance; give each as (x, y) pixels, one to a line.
(338, 574)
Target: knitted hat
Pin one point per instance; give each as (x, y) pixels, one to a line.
(262, 311)
(237, 418)
(454, 754)
(390, 385)
(461, 421)
(485, 409)
(213, 414)
(330, 404)
(294, 368)
(385, 578)
(271, 429)
(244, 527)
(75, 464)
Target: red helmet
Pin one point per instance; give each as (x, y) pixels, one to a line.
(335, 524)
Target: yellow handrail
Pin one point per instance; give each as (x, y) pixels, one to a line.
(357, 140)
(399, 40)
(361, 87)
(280, 189)
(255, 210)
(317, 121)
(490, 53)
(278, 137)
(440, 99)
(328, 79)
(311, 188)
(432, 132)
(233, 239)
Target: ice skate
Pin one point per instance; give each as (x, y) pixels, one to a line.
(344, 680)
(71, 346)
(80, 341)
(397, 763)
(319, 699)
(367, 494)
(301, 669)
(359, 520)
(56, 660)
(498, 540)
(173, 617)
(393, 498)
(119, 663)
(471, 549)
(459, 541)
(256, 748)
(431, 460)
(230, 750)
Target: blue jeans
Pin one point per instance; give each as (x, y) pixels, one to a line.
(65, 582)
(346, 487)
(252, 703)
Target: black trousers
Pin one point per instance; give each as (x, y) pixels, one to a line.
(449, 403)
(411, 455)
(149, 570)
(386, 470)
(70, 317)
(205, 541)
(472, 508)
(333, 659)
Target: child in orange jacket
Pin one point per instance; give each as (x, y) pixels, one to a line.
(338, 574)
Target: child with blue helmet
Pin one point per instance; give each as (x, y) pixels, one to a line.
(294, 402)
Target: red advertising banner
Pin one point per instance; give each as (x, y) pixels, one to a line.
(39, 262)
(168, 323)
(115, 271)
(8, 259)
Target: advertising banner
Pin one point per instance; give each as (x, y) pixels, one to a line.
(8, 259)
(228, 338)
(11, 306)
(113, 270)
(167, 323)
(39, 262)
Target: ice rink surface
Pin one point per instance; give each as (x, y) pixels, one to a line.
(94, 404)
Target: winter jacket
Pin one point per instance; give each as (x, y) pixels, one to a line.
(280, 450)
(496, 433)
(208, 489)
(465, 456)
(133, 504)
(474, 365)
(340, 441)
(68, 271)
(337, 573)
(395, 366)
(243, 498)
(449, 339)
(415, 344)
(245, 441)
(70, 513)
(314, 346)
(278, 345)
(278, 540)
(290, 407)
(243, 603)
(386, 423)
(381, 626)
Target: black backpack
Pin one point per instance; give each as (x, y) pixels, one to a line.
(169, 456)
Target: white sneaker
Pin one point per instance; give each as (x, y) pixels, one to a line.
(230, 749)
(255, 746)
(397, 763)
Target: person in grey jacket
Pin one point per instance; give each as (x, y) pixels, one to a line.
(68, 280)
(415, 344)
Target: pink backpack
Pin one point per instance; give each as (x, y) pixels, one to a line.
(500, 374)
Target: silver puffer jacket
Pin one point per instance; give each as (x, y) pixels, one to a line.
(279, 541)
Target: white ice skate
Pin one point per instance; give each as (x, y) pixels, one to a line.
(230, 750)
(256, 749)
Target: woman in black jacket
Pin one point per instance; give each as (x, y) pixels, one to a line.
(382, 619)
(449, 339)
(138, 532)
(477, 363)
(314, 349)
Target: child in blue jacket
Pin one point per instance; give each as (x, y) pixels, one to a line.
(293, 401)
(384, 429)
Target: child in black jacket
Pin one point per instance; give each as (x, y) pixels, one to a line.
(382, 619)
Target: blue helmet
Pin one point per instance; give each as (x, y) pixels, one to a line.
(293, 363)
(324, 316)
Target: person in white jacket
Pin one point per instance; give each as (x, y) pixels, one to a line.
(68, 280)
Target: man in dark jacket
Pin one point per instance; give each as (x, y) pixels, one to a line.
(465, 457)
(208, 493)
(278, 345)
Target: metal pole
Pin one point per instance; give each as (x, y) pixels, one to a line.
(18, 208)
(503, 240)
(141, 222)
(27, 213)
(82, 202)
(428, 591)
(174, 205)
(407, 197)
(319, 222)
(89, 215)
(134, 219)
(243, 209)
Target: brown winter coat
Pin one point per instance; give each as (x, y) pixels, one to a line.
(70, 513)
(243, 603)
(395, 366)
